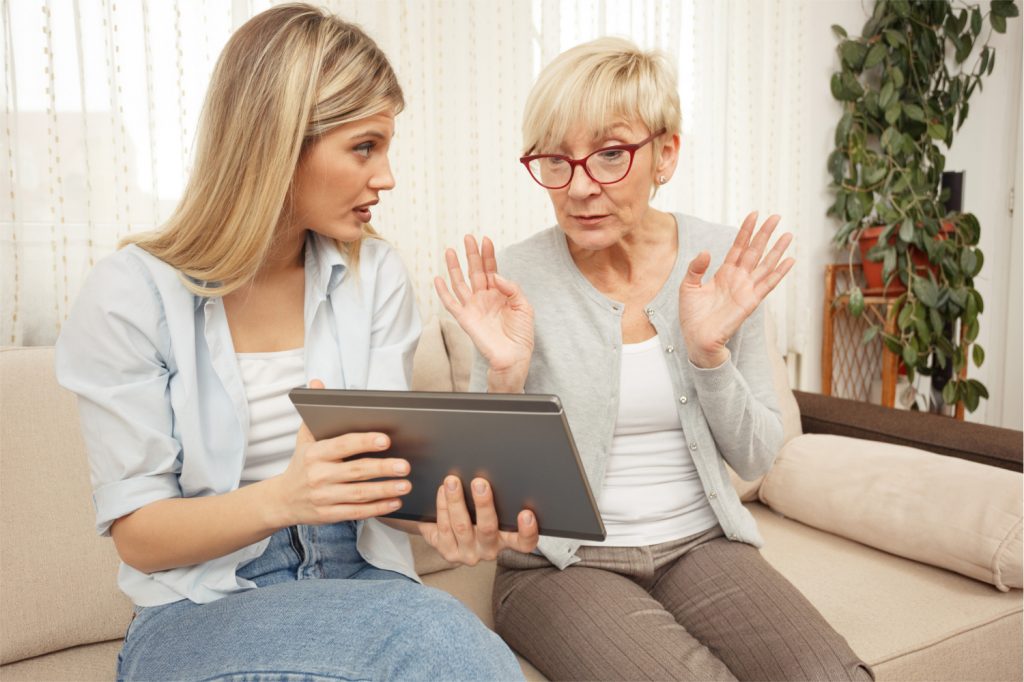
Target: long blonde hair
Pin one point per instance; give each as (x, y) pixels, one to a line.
(286, 77)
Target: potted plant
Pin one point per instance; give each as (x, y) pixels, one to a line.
(904, 85)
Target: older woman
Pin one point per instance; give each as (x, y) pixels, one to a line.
(665, 379)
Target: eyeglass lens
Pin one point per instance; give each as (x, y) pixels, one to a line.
(605, 166)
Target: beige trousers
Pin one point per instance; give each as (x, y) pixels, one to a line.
(700, 608)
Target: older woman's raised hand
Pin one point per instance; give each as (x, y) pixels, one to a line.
(494, 313)
(711, 312)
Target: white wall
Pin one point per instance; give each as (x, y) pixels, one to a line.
(987, 148)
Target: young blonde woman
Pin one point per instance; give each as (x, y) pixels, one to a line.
(251, 550)
(665, 379)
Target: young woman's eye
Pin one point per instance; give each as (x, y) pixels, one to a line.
(364, 149)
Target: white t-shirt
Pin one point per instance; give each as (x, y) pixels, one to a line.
(651, 491)
(273, 420)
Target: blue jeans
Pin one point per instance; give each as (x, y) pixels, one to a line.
(320, 612)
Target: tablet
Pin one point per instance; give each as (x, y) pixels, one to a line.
(520, 443)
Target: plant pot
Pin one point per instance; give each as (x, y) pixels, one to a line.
(873, 269)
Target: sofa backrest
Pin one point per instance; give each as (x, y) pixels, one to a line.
(58, 578)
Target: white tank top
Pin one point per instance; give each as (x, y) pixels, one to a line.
(273, 421)
(651, 492)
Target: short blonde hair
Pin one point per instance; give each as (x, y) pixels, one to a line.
(599, 84)
(286, 77)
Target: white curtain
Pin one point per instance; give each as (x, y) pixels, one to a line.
(102, 96)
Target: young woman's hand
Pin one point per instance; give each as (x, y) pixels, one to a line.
(322, 484)
(459, 541)
(494, 313)
(711, 312)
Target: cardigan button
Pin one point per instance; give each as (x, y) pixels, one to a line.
(682, 400)
(671, 349)
(712, 494)
(693, 445)
(649, 311)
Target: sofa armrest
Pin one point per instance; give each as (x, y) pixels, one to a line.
(990, 445)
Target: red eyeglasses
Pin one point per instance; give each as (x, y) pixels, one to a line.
(605, 166)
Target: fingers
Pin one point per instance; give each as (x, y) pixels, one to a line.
(695, 271)
(349, 444)
(360, 493)
(773, 257)
(458, 515)
(475, 261)
(357, 512)
(462, 290)
(752, 254)
(490, 262)
(447, 300)
(486, 518)
(443, 537)
(765, 286)
(742, 240)
(529, 532)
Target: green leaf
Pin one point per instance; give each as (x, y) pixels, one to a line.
(895, 38)
(1004, 9)
(836, 84)
(856, 302)
(905, 318)
(998, 23)
(949, 393)
(843, 129)
(888, 264)
(875, 56)
(885, 96)
(937, 131)
(896, 74)
(836, 165)
(926, 291)
(892, 114)
(907, 230)
(870, 334)
(992, 62)
(909, 356)
(936, 320)
(970, 397)
(972, 331)
(851, 86)
(914, 112)
(853, 53)
(975, 21)
(968, 261)
(901, 8)
(841, 32)
(980, 387)
(979, 355)
(873, 174)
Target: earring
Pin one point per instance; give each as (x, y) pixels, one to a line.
(662, 179)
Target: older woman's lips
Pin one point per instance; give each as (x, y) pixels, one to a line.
(589, 219)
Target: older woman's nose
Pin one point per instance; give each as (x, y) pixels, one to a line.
(582, 185)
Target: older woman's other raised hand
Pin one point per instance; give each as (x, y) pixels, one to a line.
(711, 312)
(494, 313)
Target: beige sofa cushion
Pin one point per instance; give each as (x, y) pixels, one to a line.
(908, 620)
(942, 511)
(59, 577)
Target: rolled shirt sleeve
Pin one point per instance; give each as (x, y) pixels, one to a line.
(112, 353)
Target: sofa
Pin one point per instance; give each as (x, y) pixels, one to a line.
(902, 528)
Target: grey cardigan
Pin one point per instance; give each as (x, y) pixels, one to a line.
(728, 413)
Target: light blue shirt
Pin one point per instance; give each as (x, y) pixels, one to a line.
(162, 404)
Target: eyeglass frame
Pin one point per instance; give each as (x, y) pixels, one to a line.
(573, 163)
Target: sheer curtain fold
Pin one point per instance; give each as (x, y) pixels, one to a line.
(101, 100)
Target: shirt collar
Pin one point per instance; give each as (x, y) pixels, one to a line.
(325, 266)
(325, 263)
